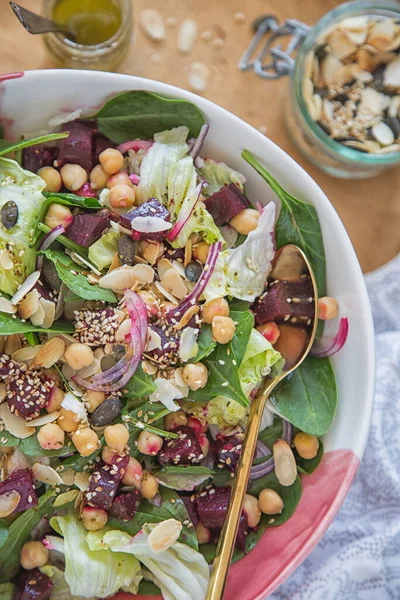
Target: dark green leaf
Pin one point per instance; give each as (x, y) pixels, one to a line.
(140, 386)
(184, 478)
(31, 338)
(7, 591)
(6, 439)
(3, 531)
(140, 114)
(19, 533)
(290, 496)
(8, 147)
(9, 326)
(31, 447)
(147, 588)
(239, 305)
(72, 200)
(298, 224)
(271, 434)
(209, 550)
(308, 397)
(72, 275)
(244, 324)
(308, 466)
(205, 342)
(62, 239)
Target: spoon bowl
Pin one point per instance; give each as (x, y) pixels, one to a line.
(291, 262)
(35, 24)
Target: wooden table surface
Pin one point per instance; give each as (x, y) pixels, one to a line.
(370, 209)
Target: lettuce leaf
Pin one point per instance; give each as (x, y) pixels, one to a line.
(103, 251)
(6, 591)
(258, 361)
(202, 222)
(218, 174)
(61, 589)
(93, 574)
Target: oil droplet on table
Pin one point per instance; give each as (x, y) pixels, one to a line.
(92, 21)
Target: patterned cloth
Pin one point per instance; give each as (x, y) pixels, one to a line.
(359, 557)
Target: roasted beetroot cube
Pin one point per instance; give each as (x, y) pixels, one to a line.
(168, 351)
(20, 481)
(37, 157)
(226, 204)
(77, 148)
(101, 143)
(184, 450)
(125, 505)
(9, 366)
(212, 506)
(104, 482)
(28, 393)
(150, 208)
(190, 503)
(86, 229)
(33, 585)
(285, 300)
(228, 450)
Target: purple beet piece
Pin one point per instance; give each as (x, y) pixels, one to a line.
(190, 503)
(212, 505)
(184, 450)
(150, 208)
(168, 351)
(28, 392)
(77, 148)
(101, 143)
(285, 300)
(7, 366)
(227, 451)
(104, 482)
(173, 253)
(37, 157)
(20, 481)
(226, 204)
(86, 228)
(33, 585)
(125, 505)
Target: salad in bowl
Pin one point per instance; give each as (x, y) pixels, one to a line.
(142, 303)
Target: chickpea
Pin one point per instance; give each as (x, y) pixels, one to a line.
(149, 443)
(223, 329)
(245, 221)
(122, 196)
(215, 308)
(116, 437)
(98, 178)
(58, 215)
(52, 179)
(111, 160)
(86, 441)
(252, 510)
(51, 437)
(52, 374)
(203, 534)
(328, 308)
(270, 502)
(108, 455)
(56, 398)
(94, 519)
(33, 555)
(133, 473)
(79, 356)
(93, 400)
(204, 443)
(149, 487)
(195, 375)
(307, 446)
(174, 420)
(270, 331)
(73, 176)
(68, 420)
(200, 252)
(119, 178)
(150, 301)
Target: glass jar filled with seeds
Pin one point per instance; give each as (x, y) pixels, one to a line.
(344, 108)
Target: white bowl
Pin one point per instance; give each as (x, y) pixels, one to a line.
(27, 103)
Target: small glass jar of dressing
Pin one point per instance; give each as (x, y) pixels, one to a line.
(102, 30)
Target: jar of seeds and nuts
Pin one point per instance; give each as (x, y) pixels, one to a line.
(344, 107)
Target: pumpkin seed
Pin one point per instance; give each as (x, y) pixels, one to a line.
(9, 214)
(107, 412)
(126, 250)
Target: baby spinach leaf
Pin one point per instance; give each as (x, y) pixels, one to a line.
(62, 239)
(140, 386)
(6, 439)
(3, 532)
(271, 434)
(297, 223)
(183, 478)
(10, 325)
(81, 463)
(307, 398)
(307, 467)
(72, 275)
(291, 497)
(72, 200)
(141, 114)
(244, 324)
(205, 343)
(147, 588)
(18, 533)
(31, 447)
(7, 147)
(209, 551)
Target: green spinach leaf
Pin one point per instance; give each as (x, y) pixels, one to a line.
(8, 147)
(205, 343)
(183, 478)
(298, 224)
(72, 275)
(3, 531)
(10, 325)
(244, 324)
(72, 200)
(147, 588)
(140, 386)
(209, 551)
(31, 447)
(271, 434)
(141, 114)
(81, 463)
(308, 397)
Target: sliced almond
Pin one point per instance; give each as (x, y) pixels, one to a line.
(327, 109)
(125, 277)
(153, 340)
(3, 392)
(26, 354)
(383, 134)
(391, 75)
(343, 75)
(356, 28)
(16, 461)
(15, 425)
(285, 463)
(199, 77)
(81, 480)
(329, 67)
(151, 251)
(381, 34)
(188, 315)
(163, 266)
(8, 503)
(12, 344)
(164, 535)
(152, 23)
(372, 102)
(37, 318)
(309, 65)
(5, 260)
(394, 106)
(26, 287)
(49, 309)
(389, 149)
(68, 476)
(123, 330)
(165, 293)
(50, 353)
(66, 498)
(340, 45)
(174, 284)
(91, 370)
(29, 305)
(366, 60)
(188, 252)
(46, 474)
(187, 36)
(44, 419)
(149, 368)
(115, 263)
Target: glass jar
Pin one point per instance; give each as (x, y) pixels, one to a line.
(101, 57)
(327, 154)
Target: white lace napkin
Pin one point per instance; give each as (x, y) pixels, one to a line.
(359, 556)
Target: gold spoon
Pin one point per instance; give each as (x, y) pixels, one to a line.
(290, 261)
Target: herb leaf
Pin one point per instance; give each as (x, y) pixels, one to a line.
(7, 147)
(9, 326)
(244, 324)
(72, 200)
(72, 275)
(297, 224)
(307, 398)
(141, 114)
(205, 343)
(62, 239)
(140, 386)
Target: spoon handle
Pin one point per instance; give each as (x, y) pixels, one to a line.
(227, 538)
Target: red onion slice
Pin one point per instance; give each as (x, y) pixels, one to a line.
(287, 431)
(185, 214)
(198, 144)
(134, 178)
(46, 242)
(262, 449)
(135, 145)
(330, 345)
(262, 469)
